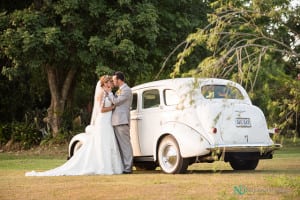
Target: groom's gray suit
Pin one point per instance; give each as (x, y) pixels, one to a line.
(121, 124)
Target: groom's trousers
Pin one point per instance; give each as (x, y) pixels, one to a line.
(122, 133)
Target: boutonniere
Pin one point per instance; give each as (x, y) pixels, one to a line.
(119, 91)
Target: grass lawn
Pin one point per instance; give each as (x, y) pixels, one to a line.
(278, 178)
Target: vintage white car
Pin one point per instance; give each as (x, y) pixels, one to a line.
(178, 122)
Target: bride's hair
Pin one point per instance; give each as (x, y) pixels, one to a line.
(105, 79)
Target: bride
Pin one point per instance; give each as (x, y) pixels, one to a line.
(100, 154)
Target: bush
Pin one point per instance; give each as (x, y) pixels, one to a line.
(24, 134)
(19, 133)
(5, 133)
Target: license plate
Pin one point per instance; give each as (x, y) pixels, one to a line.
(242, 122)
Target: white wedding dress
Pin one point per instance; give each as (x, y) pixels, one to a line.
(99, 155)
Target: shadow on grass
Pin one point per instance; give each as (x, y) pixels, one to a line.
(280, 171)
(272, 172)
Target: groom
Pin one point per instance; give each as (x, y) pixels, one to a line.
(121, 119)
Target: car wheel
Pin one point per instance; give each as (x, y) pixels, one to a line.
(145, 166)
(169, 157)
(244, 164)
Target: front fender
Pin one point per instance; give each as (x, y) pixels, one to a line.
(191, 142)
(82, 137)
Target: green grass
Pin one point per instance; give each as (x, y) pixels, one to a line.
(277, 178)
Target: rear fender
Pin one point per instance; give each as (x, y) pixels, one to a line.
(191, 143)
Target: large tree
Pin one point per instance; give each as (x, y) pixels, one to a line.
(51, 37)
(139, 35)
(65, 38)
(255, 43)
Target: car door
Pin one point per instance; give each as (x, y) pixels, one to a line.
(134, 129)
(149, 121)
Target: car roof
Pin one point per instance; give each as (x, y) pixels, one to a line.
(183, 85)
(178, 82)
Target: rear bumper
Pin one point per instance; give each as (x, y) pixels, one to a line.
(244, 151)
(245, 148)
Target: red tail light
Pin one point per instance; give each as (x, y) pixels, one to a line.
(214, 130)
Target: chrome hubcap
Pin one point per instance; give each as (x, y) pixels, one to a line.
(169, 157)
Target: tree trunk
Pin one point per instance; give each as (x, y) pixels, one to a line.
(59, 92)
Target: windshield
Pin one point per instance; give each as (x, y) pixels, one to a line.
(221, 92)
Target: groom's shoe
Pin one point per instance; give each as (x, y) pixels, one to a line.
(124, 172)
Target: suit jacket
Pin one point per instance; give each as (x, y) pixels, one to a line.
(122, 101)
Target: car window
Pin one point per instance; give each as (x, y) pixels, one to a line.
(151, 99)
(170, 97)
(134, 102)
(221, 92)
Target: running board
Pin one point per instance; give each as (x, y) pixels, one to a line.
(143, 159)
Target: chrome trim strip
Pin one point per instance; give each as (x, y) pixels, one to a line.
(245, 148)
